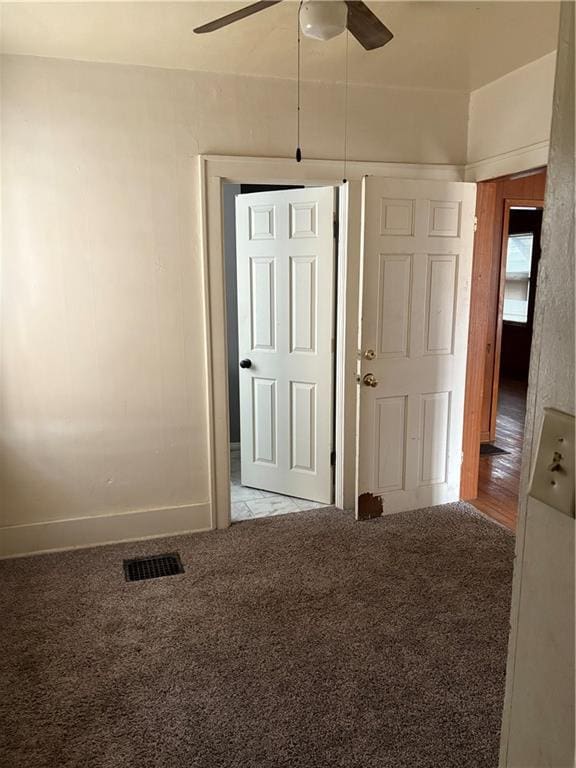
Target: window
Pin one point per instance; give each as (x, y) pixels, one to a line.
(517, 285)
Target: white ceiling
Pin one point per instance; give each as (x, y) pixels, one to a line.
(448, 45)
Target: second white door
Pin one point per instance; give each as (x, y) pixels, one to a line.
(418, 239)
(285, 260)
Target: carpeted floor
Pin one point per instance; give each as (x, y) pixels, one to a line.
(306, 641)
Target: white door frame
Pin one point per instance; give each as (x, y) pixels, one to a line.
(213, 172)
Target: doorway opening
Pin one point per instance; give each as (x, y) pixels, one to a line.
(278, 259)
(501, 448)
(508, 249)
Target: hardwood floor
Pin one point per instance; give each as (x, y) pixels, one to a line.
(499, 476)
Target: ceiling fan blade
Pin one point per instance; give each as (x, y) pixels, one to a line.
(230, 18)
(366, 26)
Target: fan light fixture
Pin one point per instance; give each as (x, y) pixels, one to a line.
(323, 19)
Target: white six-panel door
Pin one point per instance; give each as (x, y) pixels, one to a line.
(285, 260)
(417, 262)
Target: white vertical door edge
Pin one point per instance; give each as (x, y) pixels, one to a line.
(285, 259)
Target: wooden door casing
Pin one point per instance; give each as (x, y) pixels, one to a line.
(485, 328)
(528, 190)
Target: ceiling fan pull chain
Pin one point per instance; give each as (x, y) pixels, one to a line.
(344, 180)
(298, 150)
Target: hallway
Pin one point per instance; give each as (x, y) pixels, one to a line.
(499, 476)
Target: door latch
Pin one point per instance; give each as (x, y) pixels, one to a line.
(370, 380)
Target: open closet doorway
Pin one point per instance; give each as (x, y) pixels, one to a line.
(280, 263)
(507, 248)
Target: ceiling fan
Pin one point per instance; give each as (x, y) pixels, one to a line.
(322, 20)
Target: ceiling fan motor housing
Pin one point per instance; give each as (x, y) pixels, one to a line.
(323, 19)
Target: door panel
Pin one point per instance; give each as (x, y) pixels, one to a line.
(394, 280)
(303, 300)
(433, 437)
(389, 434)
(264, 412)
(263, 300)
(440, 301)
(303, 427)
(416, 283)
(285, 259)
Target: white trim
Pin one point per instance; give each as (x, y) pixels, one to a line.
(206, 292)
(341, 304)
(214, 170)
(347, 292)
(80, 532)
(516, 161)
(268, 170)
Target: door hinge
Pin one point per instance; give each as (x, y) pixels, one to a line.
(333, 458)
(475, 223)
(336, 227)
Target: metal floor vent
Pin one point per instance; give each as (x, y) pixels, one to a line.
(154, 567)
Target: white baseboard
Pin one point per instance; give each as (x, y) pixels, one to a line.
(58, 535)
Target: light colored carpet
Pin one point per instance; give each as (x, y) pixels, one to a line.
(305, 641)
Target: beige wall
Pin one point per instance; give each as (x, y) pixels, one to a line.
(103, 372)
(509, 121)
(538, 725)
(103, 398)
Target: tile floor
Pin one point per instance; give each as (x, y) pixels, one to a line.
(248, 503)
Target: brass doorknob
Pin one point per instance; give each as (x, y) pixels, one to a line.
(370, 380)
